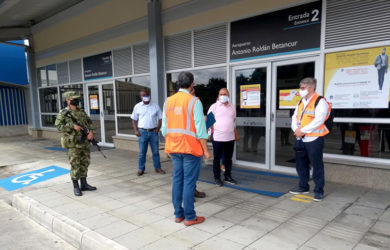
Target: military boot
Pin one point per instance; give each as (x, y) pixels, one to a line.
(76, 187)
(85, 186)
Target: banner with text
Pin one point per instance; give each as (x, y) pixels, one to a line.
(357, 79)
(97, 66)
(250, 96)
(292, 30)
(288, 98)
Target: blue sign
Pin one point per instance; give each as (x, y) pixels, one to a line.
(98, 66)
(36, 176)
(13, 64)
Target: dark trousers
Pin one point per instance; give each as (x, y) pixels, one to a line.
(312, 154)
(226, 148)
(381, 77)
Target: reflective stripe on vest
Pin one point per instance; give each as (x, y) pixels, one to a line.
(186, 131)
(308, 115)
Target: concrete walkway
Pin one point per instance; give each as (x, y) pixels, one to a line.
(136, 212)
(18, 232)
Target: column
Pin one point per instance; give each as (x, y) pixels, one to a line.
(156, 58)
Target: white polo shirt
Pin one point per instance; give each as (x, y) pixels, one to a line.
(146, 115)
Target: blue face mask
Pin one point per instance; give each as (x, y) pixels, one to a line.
(146, 98)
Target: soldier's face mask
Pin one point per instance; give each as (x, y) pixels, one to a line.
(75, 102)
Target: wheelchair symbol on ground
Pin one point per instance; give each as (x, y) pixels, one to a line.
(30, 178)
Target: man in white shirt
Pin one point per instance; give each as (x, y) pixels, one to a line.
(146, 118)
(308, 124)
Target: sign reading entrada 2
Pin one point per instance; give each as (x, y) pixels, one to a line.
(292, 30)
(97, 66)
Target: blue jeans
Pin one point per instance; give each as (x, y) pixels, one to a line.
(186, 170)
(145, 138)
(312, 153)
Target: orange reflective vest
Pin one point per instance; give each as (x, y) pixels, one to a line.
(181, 132)
(308, 115)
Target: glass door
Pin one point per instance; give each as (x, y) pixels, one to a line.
(250, 94)
(102, 112)
(286, 77)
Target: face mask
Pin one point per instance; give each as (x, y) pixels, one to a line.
(74, 102)
(303, 93)
(146, 98)
(223, 99)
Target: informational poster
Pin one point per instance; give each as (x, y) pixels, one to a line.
(358, 79)
(93, 102)
(97, 66)
(250, 96)
(350, 136)
(288, 98)
(292, 30)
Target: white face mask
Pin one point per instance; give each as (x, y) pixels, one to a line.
(303, 93)
(146, 98)
(223, 99)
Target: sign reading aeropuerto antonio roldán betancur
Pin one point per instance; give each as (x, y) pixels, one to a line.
(97, 66)
(292, 30)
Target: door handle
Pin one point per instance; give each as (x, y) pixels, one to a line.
(272, 117)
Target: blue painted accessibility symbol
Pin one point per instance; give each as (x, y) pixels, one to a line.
(30, 178)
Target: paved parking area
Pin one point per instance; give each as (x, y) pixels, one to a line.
(136, 212)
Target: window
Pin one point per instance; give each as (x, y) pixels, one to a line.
(359, 139)
(125, 126)
(127, 92)
(49, 107)
(48, 99)
(208, 82)
(48, 120)
(42, 77)
(52, 74)
(127, 96)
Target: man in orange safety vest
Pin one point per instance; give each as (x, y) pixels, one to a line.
(184, 128)
(308, 124)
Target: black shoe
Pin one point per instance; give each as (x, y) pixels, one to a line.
(85, 186)
(230, 180)
(218, 182)
(76, 188)
(140, 172)
(299, 191)
(318, 197)
(199, 194)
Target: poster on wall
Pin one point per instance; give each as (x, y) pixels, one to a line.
(93, 102)
(97, 66)
(358, 79)
(250, 96)
(288, 98)
(292, 30)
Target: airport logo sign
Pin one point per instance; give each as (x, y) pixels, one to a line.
(292, 30)
(98, 66)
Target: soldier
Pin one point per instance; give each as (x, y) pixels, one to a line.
(78, 146)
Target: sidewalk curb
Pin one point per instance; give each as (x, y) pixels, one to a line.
(71, 231)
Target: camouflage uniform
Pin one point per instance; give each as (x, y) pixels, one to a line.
(78, 149)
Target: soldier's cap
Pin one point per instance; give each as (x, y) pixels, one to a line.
(71, 95)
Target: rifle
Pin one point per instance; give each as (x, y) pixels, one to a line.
(84, 132)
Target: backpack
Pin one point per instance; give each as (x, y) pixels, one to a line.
(329, 121)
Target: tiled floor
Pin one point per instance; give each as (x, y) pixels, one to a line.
(137, 211)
